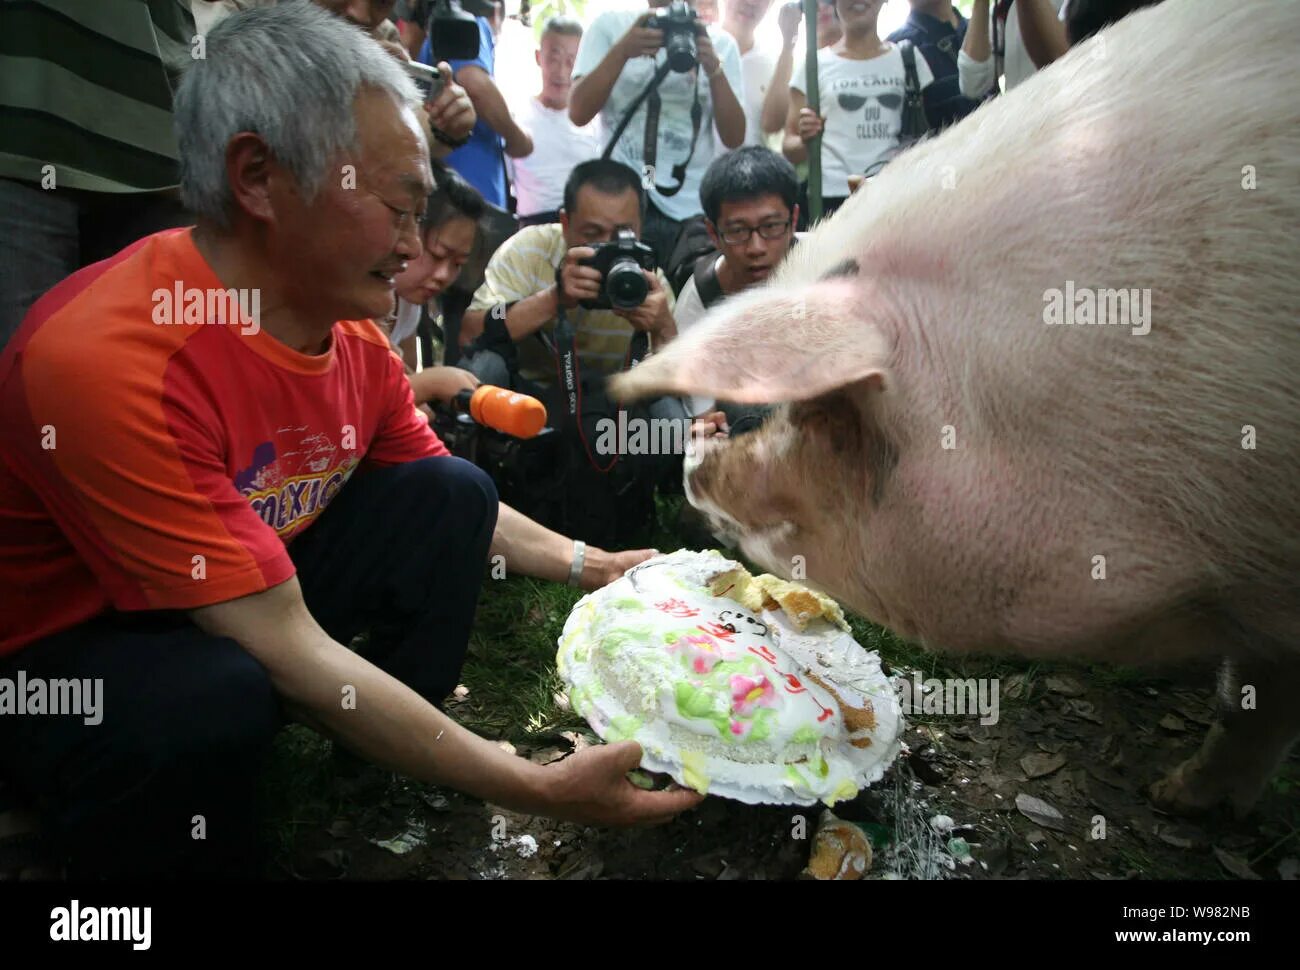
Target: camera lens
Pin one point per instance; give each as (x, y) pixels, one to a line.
(625, 284)
(679, 48)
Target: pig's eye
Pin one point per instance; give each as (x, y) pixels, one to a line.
(891, 101)
(850, 102)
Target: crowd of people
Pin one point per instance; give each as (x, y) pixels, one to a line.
(204, 518)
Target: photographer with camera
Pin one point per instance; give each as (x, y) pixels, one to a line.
(542, 270)
(564, 306)
(662, 82)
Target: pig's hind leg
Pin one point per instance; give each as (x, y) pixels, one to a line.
(1259, 720)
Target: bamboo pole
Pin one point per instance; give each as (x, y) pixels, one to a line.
(814, 101)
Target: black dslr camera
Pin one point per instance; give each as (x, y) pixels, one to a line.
(621, 262)
(680, 25)
(453, 34)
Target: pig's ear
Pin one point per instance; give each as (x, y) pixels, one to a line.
(769, 346)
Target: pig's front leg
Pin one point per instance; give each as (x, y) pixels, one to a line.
(1244, 747)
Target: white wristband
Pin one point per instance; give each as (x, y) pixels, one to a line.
(579, 558)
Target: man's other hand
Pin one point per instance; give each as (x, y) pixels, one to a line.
(451, 111)
(601, 568)
(640, 40)
(579, 282)
(592, 788)
(708, 56)
(711, 424)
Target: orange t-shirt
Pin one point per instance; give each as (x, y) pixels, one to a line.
(154, 466)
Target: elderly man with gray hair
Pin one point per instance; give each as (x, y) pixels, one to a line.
(213, 476)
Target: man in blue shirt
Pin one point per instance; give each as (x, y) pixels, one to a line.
(937, 29)
(479, 160)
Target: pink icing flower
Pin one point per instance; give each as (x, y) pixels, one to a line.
(705, 653)
(746, 692)
(738, 728)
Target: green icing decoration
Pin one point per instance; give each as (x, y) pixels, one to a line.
(761, 729)
(697, 703)
(629, 604)
(795, 779)
(619, 638)
(692, 701)
(672, 636)
(622, 727)
(639, 778)
(805, 735)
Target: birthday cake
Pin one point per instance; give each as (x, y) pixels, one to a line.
(744, 686)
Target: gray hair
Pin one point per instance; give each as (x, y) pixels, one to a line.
(291, 73)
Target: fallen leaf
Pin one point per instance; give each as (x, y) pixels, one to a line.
(1037, 765)
(1067, 686)
(1236, 865)
(1037, 810)
(506, 746)
(1084, 710)
(1181, 836)
(1172, 722)
(577, 739)
(1289, 869)
(461, 691)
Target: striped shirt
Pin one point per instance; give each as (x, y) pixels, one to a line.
(86, 92)
(526, 264)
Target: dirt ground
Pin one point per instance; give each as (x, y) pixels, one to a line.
(1084, 747)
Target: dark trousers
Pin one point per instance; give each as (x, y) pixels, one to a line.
(187, 717)
(46, 235)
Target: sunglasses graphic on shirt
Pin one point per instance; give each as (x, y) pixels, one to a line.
(851, 102)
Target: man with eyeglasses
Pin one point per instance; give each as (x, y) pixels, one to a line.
(749, 199)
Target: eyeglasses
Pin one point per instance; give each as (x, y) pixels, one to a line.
(768, 230)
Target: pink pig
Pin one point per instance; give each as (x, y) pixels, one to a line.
(964, 454)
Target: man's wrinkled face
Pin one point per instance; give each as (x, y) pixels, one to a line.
(555, 58)
(446, 249)
(754, 258)
(366, 14)
(340, 253)
(598, 216)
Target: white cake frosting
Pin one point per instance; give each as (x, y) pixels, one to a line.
(725, 700)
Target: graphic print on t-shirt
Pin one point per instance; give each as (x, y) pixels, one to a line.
(880, 100)
(293, 482)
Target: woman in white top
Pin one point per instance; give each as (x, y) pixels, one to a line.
(449, 228)
(862, 86)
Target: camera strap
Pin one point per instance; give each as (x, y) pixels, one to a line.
(652, 139)
(569, 371)
(651, 93)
